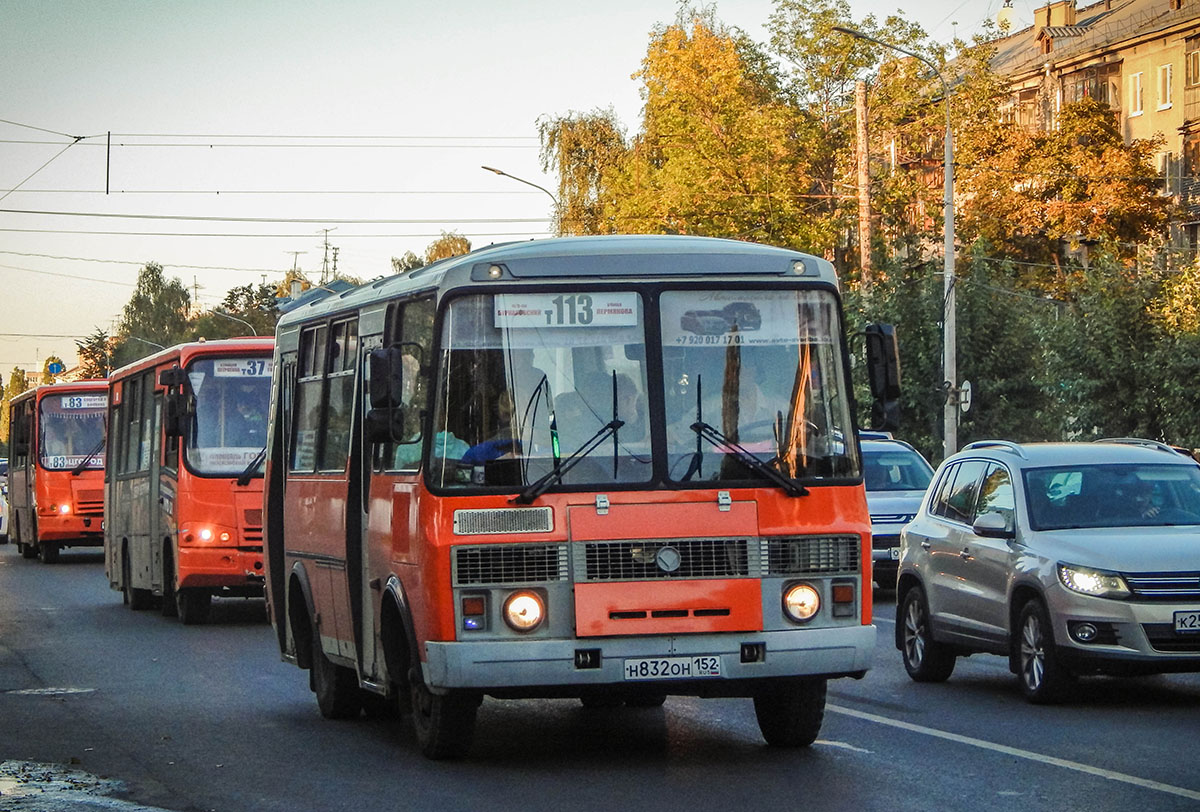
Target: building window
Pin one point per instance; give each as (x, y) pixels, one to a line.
(1164, 87)
(1135, 94)
(1193, 68)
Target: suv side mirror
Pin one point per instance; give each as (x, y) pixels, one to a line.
(883, 375)
(993, 526)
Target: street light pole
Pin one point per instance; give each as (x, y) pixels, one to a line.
(949, 317)
(502, 173)
(234, 318)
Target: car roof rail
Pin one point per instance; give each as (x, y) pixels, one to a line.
(1003, 444)
(1142, 442)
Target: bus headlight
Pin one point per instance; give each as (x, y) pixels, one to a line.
(64, 509)
(524, 611)
(801, 602)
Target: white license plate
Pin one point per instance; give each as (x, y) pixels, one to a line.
(1187, 622)
(673, 667)
(895, 551)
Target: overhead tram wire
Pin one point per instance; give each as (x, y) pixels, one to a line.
(290, 236)
(284, 220)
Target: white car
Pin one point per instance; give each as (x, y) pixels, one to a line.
(896, 476)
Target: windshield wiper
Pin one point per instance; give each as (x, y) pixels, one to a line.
(751, 460)
(78, 469)
(542, 484)
(245, 476)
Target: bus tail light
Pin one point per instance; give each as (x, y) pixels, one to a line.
(801, 602)
(524, 611)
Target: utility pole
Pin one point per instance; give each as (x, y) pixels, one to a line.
(195, 295)
(325, 260)
(864, 183)
(335, 253)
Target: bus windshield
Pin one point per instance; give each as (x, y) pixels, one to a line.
(763, 370)
(528, 380)
(751, 379)
(230, 424)
(70, 428)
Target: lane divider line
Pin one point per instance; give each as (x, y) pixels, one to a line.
(1029, 755)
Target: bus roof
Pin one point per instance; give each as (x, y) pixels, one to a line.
(39, 391)
(594, 257)
(185, 352)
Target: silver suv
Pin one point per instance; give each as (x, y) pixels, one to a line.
(1067, 558)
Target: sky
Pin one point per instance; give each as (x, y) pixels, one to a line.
(248, 138)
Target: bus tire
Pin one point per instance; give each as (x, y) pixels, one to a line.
(193, 605)
(137, 599)
(790, 713)
(336, 686)
(170, 606)
(444, 723)
(48, 552)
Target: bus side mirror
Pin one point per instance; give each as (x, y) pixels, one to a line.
(883, 375)
(387, 377)
(174, 413)
(20, 448)
(175, 376)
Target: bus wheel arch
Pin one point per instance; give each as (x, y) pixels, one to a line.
(398, 638)
(136, 599)
(170, 607)
(300, 616)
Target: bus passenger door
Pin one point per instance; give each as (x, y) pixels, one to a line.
(154, 521)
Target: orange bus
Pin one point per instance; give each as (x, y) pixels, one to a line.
(606, 468)
(55, 480)
(183, 484)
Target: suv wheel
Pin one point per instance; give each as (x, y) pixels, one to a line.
(925, 660)
(1044, 679)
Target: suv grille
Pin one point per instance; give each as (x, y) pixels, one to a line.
(813, 556)
(1165, 586)
(509, 564)
(666, 558)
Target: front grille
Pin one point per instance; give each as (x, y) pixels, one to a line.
(509, 564)
(665, 558)
(817, 555)
(253, 518)
(253, 535)
(89, 501)
(1165, 586)
(503, 520)
(1163, 638)
(884, 542)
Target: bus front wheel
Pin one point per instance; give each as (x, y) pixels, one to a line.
(48, 552)
(444, 723)
(193, 605)
(790, 713)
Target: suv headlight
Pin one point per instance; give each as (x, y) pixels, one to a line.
(1097, 583)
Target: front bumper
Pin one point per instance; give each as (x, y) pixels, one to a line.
(230, 568)
(1136, 636)
(70, 529)
(548, 667)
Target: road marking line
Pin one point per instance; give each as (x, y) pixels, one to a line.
(1145, 783)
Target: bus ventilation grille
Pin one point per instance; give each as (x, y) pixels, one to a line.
(510, 564)
(666, 558)
(818, 555)
(503, 520)
(89, 501)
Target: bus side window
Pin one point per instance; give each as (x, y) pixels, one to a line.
(307, 417)
(342, 359)
(411, 323)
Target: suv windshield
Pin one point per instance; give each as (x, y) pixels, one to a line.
(70, 428)
(894, 468)
(230, 425)
(1129, 495)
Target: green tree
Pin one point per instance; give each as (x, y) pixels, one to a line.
(156, 314)
(93, 354)
(245, 310)
(450, 244)
(17, 383)
(48, 376)
(585, 150)
(406, 263)
(1033, 194)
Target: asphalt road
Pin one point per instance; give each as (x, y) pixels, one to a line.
(208, 718)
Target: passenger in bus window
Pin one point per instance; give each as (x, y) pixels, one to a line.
(503, 442)
(247, 424)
